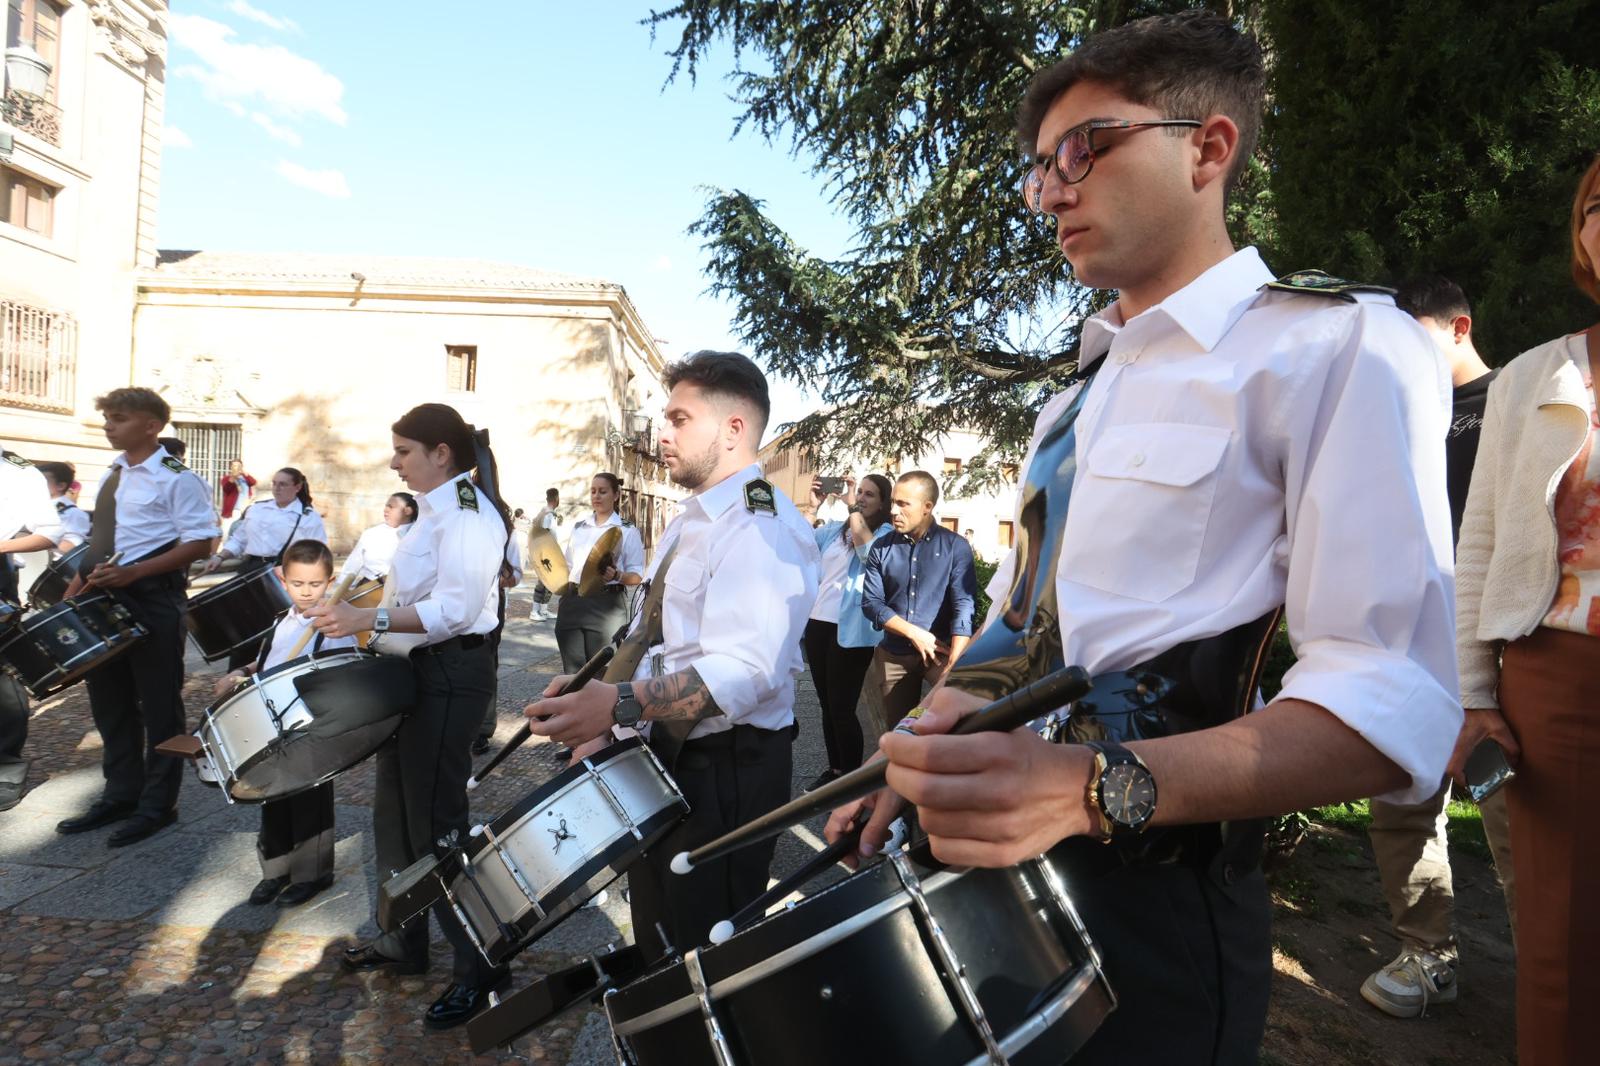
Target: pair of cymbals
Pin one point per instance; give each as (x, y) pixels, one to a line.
(550, 563)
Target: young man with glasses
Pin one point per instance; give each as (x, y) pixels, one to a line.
(1241, 444)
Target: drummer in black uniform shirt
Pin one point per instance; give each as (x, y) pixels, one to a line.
(156, 514)
(445, 598)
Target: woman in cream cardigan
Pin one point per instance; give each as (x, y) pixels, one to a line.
(1528, 642)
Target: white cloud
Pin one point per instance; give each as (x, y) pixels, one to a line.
(285, 82)
(275, 131)
(255, 14)
(173, 137)
(329, 183)
(236, 107)
(662, 264)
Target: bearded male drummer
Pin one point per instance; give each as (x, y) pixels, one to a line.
(1239, 447)
(708, 669)
(25, 510)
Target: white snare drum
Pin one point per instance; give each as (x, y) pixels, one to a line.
(299, 724)
(524, 872)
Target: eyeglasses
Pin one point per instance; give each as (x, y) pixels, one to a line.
(1075, 154)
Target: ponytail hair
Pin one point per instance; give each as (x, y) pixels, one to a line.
(302, 486)
(408, 503)
(433, 424)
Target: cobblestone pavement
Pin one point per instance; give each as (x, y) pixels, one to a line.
(150, 954)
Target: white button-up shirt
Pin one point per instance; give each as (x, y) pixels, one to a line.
(157, 504)
(25, 503)
(738, 592)
(629, 556)
(1242, 448)
(291, 627)
(448, 566)
(374, 551)
(74, 523)
(265, 529)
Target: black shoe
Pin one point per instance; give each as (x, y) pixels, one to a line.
(822, 779)
(10, 794)
(366, 957)
(102, 813)
(480, 746)
(140, 826)
(301, 891)
(266, 889)
(460, 1002)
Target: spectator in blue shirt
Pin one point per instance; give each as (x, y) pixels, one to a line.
(919, 587)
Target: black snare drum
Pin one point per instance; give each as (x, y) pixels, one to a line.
(895, 963)
(54, 648)
(50, 587)
(236, 613)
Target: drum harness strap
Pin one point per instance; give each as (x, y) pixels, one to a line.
(666, 737)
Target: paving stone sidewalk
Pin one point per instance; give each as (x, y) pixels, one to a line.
(151, 954)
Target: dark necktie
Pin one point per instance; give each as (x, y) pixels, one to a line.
(103, 537)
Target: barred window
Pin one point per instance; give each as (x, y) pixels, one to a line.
(461, 367)
(38, 358)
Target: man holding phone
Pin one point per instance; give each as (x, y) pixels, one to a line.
(920, 588)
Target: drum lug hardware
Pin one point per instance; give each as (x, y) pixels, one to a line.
(514, 870)
(611, 798)
(826, 992)
(1058, 892)
(623, 1058)
(697, 980)
(945, 952)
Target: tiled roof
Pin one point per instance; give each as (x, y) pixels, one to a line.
(378, 270)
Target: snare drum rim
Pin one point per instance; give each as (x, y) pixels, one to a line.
(60, 570)
(50, 683)
(240, 579)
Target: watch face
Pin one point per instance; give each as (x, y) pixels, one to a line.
(1128, 793)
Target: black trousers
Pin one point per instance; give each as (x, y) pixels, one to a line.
(419, 805)
(728, 779)
(1188, 951)
(296, 838)
(13, 730)
(585, 624)
(137, 700)
(838, 674)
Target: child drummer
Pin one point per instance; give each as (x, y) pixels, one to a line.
(296, 841)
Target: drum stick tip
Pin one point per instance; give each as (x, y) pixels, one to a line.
(681, 863)
(722, 931)
(472, 783)
(477, 831)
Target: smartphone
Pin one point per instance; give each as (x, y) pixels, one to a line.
(1487, 770)
(832, 486)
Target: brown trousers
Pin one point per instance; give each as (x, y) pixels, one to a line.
(1550, 696)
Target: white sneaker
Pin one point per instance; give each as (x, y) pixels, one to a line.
(1406, 986)
(598, 901)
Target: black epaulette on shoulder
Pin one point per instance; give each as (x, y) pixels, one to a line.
(759, 496)
(173, 465)
(62, 505)
(14, 459)
(466, 496)
(1316, 283)
(626, 521)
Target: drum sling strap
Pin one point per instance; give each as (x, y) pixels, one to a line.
(665, 737)
(103, 534)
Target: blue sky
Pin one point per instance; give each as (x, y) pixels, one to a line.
(532, 132)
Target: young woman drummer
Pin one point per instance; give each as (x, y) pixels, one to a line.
(442, 587)
(375, 548)
(585, 624)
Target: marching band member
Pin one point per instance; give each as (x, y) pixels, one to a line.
(74, 519)
(264, 530)
(1240, 444)
(156, 514)
(731, 586)
(443, 588)
(374, 551)
(24, 506)
(585, 624)
(295, 845)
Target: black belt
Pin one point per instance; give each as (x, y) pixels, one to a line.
(462, 643)
(258, 560)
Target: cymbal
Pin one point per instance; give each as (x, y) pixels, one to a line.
(600, 557)
(547, 561)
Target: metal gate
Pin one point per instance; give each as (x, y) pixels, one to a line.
(211, 449)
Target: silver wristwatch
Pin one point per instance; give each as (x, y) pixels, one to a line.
(380, 620)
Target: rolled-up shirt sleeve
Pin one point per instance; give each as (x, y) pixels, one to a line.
(192, 512)
(962, 592)
(630, 553)
(1369, 596)
(762, 586)
(469, 556)
(872, 605)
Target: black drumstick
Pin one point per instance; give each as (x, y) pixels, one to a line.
(588, 673)
(1004, 714)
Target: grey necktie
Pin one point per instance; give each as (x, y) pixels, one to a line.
(103, 537)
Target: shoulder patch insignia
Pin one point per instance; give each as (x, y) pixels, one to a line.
(466, 496)
(15, 460)
(759, 496)
(1316, 283)
(173, 465)
(627, 522)
(62, 505)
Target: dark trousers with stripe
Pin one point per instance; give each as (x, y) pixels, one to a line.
(419, 806)
(296, 838)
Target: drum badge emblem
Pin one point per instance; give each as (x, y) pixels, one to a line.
(560, 832)
(66, 636)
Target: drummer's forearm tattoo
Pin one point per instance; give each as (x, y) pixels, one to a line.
(679, 697)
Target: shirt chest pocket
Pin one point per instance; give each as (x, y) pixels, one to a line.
(680, 616)
(1140, 508)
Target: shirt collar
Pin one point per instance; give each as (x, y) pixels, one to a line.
(152, 463)
(612, 519)
(441, 498)
(725, 493)
(1205, 309)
